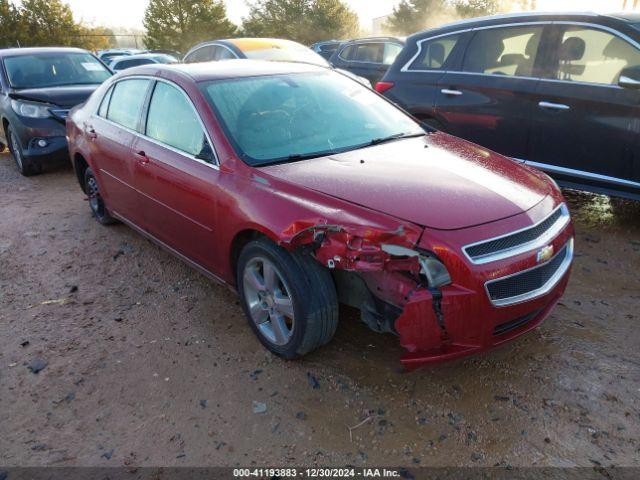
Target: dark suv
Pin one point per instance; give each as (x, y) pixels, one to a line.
(38, 87)
(559, 91)
(367, 57)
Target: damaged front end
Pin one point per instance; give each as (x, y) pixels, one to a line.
(396, 286)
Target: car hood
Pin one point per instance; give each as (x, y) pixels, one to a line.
(61, 96)
(436, 181)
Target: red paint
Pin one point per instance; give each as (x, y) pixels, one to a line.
(438, 193)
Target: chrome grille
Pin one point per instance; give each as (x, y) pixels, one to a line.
(521, 241)
(532, 283)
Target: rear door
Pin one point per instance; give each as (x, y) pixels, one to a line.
(112, 132)
(490, 101)
(178, 176)
(585, 125)
(415, 83)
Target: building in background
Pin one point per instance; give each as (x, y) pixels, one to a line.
(377, 26)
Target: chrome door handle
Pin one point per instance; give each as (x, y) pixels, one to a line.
(554, 106)
(454, 93)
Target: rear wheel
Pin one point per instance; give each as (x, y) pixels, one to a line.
(25, 166)
(96, 203)
(290, 301)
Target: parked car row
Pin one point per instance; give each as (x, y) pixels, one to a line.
(271, 49)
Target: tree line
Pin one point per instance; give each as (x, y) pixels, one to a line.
(179, 24)
(47, 22)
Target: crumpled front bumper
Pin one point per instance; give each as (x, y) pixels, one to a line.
(464, 329)
(461, 319)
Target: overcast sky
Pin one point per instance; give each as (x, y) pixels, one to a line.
(129, 13)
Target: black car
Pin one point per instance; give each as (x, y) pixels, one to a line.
(367, 57)
(38, 87)
(559, 91)
(327, 48)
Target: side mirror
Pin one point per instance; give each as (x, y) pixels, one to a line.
(630, 78)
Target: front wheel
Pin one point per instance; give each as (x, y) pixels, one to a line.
(289, 299)
(96, 203)
(27, 167)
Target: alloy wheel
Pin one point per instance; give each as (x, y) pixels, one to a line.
(95, 201)
(269, 300)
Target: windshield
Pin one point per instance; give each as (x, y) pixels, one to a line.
(295, 53)
(280, 118)
(41, 70)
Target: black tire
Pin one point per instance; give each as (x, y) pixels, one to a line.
(96, 203)
(311, 290)
(26, 166)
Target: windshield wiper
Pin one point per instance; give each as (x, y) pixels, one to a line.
(396, 136)
(296, 157)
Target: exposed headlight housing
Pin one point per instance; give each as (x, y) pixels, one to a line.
(30, 109)
(433, 269)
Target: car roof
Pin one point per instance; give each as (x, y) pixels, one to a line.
(141, 55)
(517, 18)
(202, 72)
(13, 52)
(248, 44)
(369, 39)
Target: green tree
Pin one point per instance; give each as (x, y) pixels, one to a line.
(411, 16)
(34, 23)
(46, 22)
(305, 21)
(476, 8)
(180, 24)
(8, 24)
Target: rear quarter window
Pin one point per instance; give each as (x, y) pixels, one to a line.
(434, 54)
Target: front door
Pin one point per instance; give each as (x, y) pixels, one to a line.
(177, 177)
(490, 101)
(585, 125)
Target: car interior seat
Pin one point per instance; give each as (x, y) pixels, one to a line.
(571, 50)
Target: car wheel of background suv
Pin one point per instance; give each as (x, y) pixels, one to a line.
(27, 167)
(289, 299)
(96, 203)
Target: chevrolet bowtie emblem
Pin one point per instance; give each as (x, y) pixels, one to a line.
(545, 254)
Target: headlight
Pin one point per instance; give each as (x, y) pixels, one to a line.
(433, 269)
(30, 110)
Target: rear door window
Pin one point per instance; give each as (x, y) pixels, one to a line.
(203, 54)
(435, 53)
(124, 64)
(349, 52)
(370, 53)
(509, 51)
(126, 103)
(590, 55)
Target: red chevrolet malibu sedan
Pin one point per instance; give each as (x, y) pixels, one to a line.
(302, 189)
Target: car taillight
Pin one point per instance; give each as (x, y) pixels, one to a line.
(382, 87)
